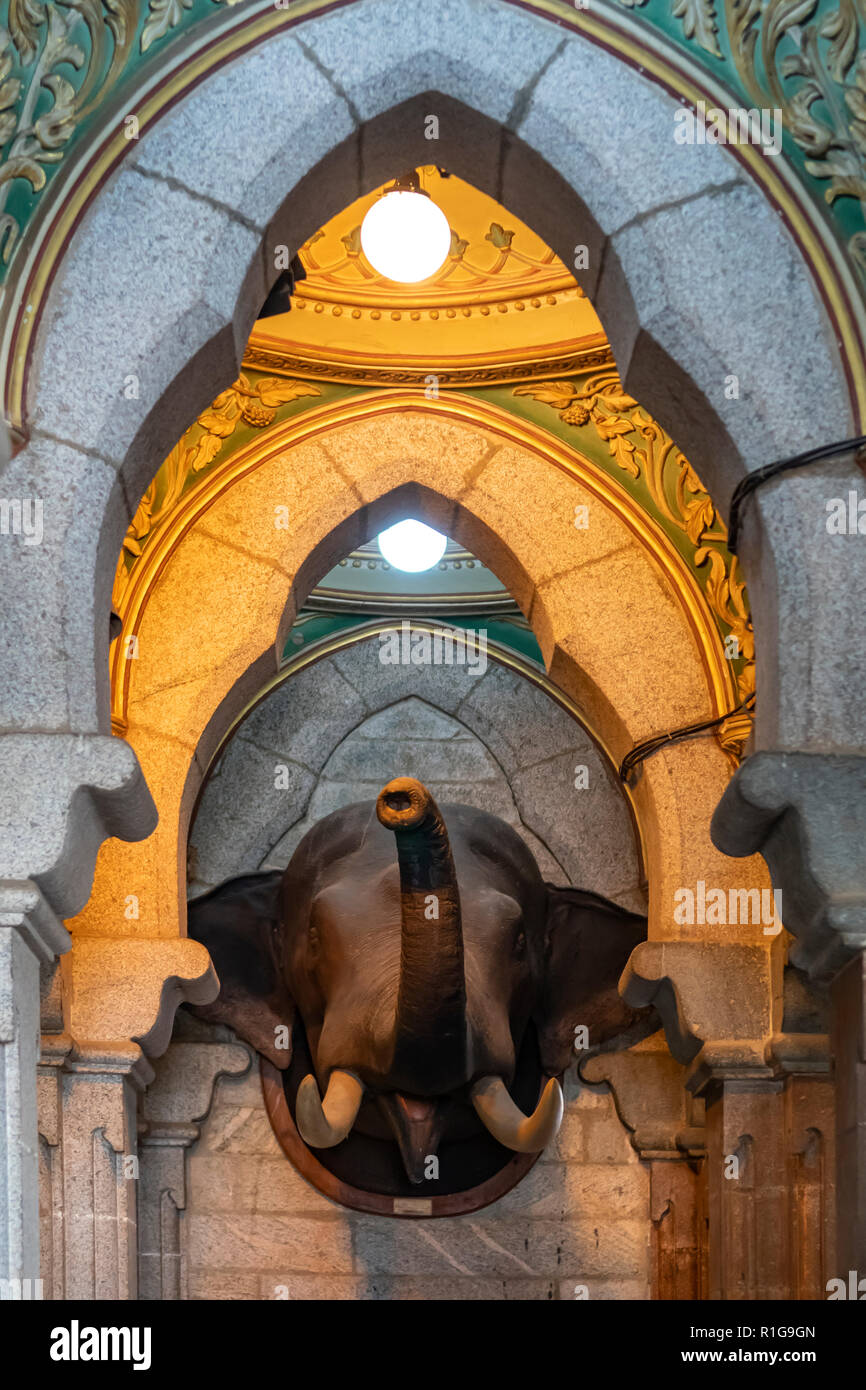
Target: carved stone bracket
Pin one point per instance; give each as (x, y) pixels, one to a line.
(715, 1000)
(806, 814)
(649, 1089)
(130, 987)
(61, 795)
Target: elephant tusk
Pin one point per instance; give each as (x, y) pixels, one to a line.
(526, 1134)
(324, 1123)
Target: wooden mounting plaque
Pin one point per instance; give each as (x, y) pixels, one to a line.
(376, 1203)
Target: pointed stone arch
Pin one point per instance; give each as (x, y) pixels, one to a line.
(614, 617)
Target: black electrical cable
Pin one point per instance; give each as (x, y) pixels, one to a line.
(746, 486)
(652, 745)
(742, 491)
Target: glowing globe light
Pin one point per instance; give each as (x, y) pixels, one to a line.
(405, 236)
(412, 547)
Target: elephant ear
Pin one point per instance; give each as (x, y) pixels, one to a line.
(589, 940)
(239, 923)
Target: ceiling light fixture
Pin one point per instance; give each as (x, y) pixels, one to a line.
(404, 235)
(412, 547)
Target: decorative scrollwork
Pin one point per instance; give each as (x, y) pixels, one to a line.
(252, 403)
(806, 58)
(640, 447)
(72, 52)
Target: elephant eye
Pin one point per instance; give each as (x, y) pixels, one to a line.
(314, 939)
(520, 943)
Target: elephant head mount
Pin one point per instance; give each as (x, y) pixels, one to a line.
(426, 974)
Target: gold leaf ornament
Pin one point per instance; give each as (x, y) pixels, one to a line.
(699, 23)
(614, 430)
(680, 497)
(840, 26)
(10, 90)
(25, 20)
(256, 403)
(559, 394)
(499, 237)
(55, 127)
(164, 16)
(276, 390)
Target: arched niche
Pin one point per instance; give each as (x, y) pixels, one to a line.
(617, 619)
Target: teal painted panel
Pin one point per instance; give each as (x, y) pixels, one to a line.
(312, 628)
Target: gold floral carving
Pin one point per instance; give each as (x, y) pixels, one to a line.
(253, 403)
(640, 447)
(42, 47)
(807, 59)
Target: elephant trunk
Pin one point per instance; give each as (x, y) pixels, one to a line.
(430, 1030)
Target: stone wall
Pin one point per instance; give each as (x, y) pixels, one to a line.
(254, 1229)
(346, 725)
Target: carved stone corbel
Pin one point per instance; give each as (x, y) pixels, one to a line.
(715, 1000)
(806, 814)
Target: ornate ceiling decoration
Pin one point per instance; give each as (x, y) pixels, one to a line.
(643, 452)
(355, 336)
(61, 61)
(67, 67)
(350, 323)
(806, 58)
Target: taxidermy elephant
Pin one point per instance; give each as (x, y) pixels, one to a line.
(419, 946)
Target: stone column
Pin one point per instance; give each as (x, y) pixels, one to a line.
(99, 1090)
(716, 1000)
(61, 795)
(806, 813)
(769, 1116)
(747, 1198)
(118, 1008)
(849, 1049)
(770, 1149)
(30, 936)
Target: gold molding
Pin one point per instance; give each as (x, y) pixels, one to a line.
(495, 261)
(312, 423)
(253, 403)
(501, 304)
(493, 369)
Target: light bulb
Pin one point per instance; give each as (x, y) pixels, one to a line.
(412, 547)
(405, 236)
